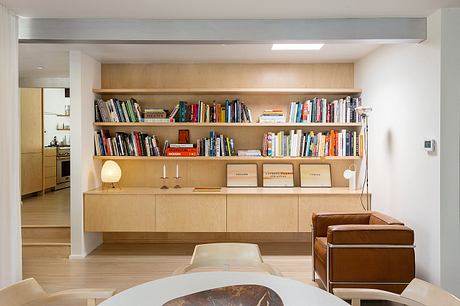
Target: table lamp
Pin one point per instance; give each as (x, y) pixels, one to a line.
(110, 173)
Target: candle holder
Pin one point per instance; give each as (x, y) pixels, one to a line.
(165, 180)
(177, 182)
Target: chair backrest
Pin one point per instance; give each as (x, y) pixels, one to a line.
(428, 294)
(223, 254)
(22, 293)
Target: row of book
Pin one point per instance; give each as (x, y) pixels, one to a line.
(115, 110)
(308, 144)
(142, 144)
(126, 144)
(215, 145)
(230, 111)
(319, 110)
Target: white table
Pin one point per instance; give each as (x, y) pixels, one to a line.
(160, 291)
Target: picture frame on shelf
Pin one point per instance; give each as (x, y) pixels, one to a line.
(278, 175)
(242, 175)
(315, 175)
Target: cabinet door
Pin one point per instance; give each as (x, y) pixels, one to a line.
(262, 213)
(31, 173)
(325, 203)
(31, 120)
(119, 213)
(190, 213)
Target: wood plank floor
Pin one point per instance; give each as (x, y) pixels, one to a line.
(122, 266)
(53, 208)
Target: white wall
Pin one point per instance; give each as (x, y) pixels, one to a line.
(10, 218)
(54, 102)
(85, 74)
(402, 84)
(450, 150)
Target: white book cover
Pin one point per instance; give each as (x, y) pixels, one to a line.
(125, 111)
(206, 147)
(324, 110)
(298, 137)
(309, 112)
(292, 144)
(344, 142)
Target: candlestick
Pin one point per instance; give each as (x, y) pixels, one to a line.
(164, 170)
(177, 169)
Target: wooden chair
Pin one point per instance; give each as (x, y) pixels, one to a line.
(29, 292)
(417, 293)
(227, 254)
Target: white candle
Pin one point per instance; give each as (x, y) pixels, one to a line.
(177, 169)
(164, 170)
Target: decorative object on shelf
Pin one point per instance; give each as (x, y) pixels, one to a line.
(177, 177)
(298, 143)
(364, 112)
(184, 137)
(241, 175)
(164, 178)
(315, 175)
(350, 175)
(278, 175)
(110, 173)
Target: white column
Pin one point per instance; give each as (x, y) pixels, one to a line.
(10, 200)
(85, 74)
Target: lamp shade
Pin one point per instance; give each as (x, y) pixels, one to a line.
(111, 172)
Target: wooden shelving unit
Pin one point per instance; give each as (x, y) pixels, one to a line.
(228, 158)
(223, 91)
(224, 124)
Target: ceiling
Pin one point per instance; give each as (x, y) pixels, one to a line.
(219, 9)
(55, 59)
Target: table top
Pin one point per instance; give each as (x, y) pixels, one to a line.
(160, 291)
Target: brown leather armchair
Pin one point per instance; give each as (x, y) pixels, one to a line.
(362, 250)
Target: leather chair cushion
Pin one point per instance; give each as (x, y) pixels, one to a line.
(370, 234)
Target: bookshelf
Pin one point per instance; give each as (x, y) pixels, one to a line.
(227, 91)
(224, 124)
(139, 205)
(229, 158)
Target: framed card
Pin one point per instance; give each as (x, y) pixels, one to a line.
(278, 175)
(241, 175)
(315, 175)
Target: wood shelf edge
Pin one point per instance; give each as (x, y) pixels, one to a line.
(140, 91)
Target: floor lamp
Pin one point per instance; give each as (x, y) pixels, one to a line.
(363, 112)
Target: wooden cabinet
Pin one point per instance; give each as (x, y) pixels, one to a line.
(190, 213)
(31, 172)
(31, 140)
(326, 203)
(50, 168)
(119, 213)
(262, 213)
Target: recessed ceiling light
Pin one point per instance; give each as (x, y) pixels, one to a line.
(40, 67)
(297, 47)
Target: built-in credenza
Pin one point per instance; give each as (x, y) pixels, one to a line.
(227, 210)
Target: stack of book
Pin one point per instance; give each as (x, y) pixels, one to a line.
(156, 115)
(125, 144)
(250, 153)
(115, 110)
(298, 143)
(318, 110)
(215, 145)
(272, 116)
(181, 149)
(231, 111)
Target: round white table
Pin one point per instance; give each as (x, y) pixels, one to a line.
(160, 291)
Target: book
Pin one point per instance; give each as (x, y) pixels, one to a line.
(249, 153)
(297, 143)
(181, 145)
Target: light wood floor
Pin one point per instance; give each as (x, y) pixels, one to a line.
(122, 266)
(53, 208)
